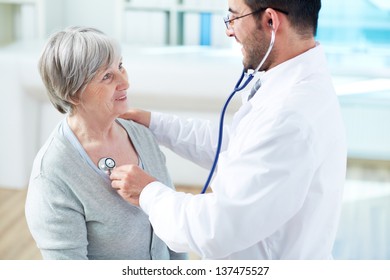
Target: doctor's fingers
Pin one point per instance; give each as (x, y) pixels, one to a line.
(137, 115)
(130, 176)
(129, 195)
(118, 184)
(127, 191)
(123, 172)
(123, 168)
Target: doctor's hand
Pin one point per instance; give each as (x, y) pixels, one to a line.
(129, 181)
(137, 115)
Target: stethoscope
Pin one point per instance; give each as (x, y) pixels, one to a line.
(106, 164)
(238, 87)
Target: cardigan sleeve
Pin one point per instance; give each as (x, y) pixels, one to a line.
(56, 220)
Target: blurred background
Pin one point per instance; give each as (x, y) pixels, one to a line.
(179, 60)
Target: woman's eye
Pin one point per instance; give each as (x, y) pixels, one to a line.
(120, 66)
(107, 76)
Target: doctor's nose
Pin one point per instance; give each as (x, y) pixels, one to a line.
(229, 32)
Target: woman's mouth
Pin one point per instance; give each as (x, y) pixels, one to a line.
(121, 98)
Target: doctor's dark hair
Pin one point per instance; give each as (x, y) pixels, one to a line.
(70, 60)
(302, 14)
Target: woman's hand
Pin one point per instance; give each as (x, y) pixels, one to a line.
(137, 115)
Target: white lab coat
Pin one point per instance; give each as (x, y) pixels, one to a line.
(278, 189)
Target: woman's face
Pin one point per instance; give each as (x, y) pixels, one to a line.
(106, 95)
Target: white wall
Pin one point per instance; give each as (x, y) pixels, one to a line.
(368, 127)
(105, 15)
(364, 228)
(17, 122)
(145, 28)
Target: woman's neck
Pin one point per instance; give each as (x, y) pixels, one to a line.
(103, 138)
(89, 130)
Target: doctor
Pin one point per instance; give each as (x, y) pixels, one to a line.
(278, 187)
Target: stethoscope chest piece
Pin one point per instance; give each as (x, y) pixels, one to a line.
(106, 164)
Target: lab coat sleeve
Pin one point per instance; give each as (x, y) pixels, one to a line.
(255, 192)
(195, 140)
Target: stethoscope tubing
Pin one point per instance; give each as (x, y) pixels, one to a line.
(237, 88)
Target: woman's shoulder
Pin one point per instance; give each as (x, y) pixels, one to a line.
(52, 156)
(137, 131)
(129, 124)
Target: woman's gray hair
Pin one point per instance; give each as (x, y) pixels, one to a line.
(71, 59)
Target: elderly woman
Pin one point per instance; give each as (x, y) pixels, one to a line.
(71, 209)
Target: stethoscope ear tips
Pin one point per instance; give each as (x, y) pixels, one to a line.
(106, 164)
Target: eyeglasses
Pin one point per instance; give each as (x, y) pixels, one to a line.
(229, 22)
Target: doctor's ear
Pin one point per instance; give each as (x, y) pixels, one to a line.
(271, 19)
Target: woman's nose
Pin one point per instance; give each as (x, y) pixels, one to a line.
(123, 81)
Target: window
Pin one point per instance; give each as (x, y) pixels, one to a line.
(356, 32)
